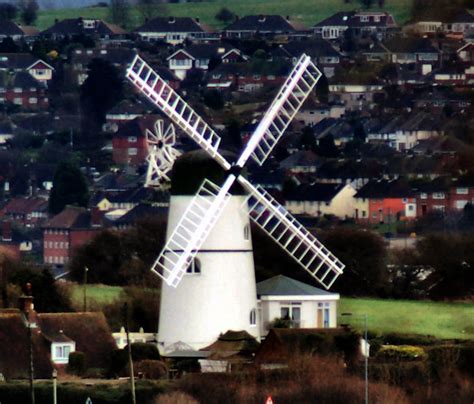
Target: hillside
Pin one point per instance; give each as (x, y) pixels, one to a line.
(309, 12)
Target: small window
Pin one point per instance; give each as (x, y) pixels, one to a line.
(253, 317)
(462, 191)
(247, 232)
(423, 195)
(194, 267)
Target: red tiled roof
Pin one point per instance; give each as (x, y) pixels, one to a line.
(71, 217)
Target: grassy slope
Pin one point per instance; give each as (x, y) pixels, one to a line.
(442, 320)
(307, 12)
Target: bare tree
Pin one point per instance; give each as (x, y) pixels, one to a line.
(149, 9)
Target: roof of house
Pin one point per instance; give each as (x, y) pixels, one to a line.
(205, 51)
(317, 191)
(283, 286)
(129, 107)
(380, 189)
(14, 356)
(142, 210)
(409, 45)
(77, 26)
(315, 48)
(71, 217)
(23, 206)
(10, 28)
(116, 56)
(172, 24)
(89, 331)
(137, 127)
(352, 19)
(19, 61)
(232, 343)
(301, 158)
(264, 23)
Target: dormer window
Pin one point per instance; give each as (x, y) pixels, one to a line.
(364, 18)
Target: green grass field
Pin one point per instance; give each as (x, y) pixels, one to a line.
(307, 12)
(442, 320)
(99, 294)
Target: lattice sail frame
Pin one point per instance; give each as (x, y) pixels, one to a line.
(207, 206)
(161, 154)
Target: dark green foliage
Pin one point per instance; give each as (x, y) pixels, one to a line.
(76, 364)
(307, 139)
(408, 339)
(141, 351)
(8, 11)
(119, 12)
(322, 89)
(118, 363)
(214, 100)
(28, 11)
(225, 15)
(48, 298)
(8, 46)
(364, 254)
(102, 89)
(69, 188)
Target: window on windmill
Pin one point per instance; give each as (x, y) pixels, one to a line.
(247, 232)
(194, 267)
(253, 317)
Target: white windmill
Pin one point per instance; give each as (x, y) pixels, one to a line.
(207, 235)
(161, 154)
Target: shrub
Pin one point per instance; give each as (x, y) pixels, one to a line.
(76, 363)
(403, 374)
(150, 369)
(141, 351)
(118, 363)
(400, 352)
(94, 373)
(408, 339)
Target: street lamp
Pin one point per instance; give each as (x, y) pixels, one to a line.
(366, 353)
(85, 288)
(55, 386)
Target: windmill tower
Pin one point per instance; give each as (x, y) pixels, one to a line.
(204, 228)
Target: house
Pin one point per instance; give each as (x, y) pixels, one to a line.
(319, 199)
(26, 211)
(66, 231)
(124, 111)
(53, 336)
(298, 304)
(71, 28)
(25, 62)
(322, 53)
(461, 193)
(313, 112)
(264, 26)
(80, 59)
(134, 337)
(432, 196)
(303, 161)
(450, 76)
(129, 143)
(23, 90)
(466, 53)
(10, 29)
(417, 51)
(232, 351)
(6, 131)
(200, 56)
(175, 30)
(368, 23)
(459, 25)
(142, 211)
(385, 201)
(355, 96)
(339, 129)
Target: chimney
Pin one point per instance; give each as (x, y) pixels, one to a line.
(171, 20)
(96, 217)
(6, 231)
(27, 307)
(261, 18)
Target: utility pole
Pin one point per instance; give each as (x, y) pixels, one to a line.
(85, 289)
(31, 369)
(130, 360)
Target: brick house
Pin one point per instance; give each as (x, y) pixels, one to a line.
(23, 90)
(129, 143)
(385, 201)
(69, 229)
(27, 212)
(432, 197)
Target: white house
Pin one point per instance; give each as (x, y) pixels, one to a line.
(302, 305)
(322, 198)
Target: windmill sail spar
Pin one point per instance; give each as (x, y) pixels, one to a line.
(167, 100)
(286, 104)
(294, 238)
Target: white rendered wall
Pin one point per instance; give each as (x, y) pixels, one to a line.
(222, 296)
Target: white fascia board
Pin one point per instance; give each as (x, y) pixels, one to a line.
(332, 296)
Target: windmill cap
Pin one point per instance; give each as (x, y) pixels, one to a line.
(192, 168)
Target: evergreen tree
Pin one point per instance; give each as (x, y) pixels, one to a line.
(69, 188)
(28, 11)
